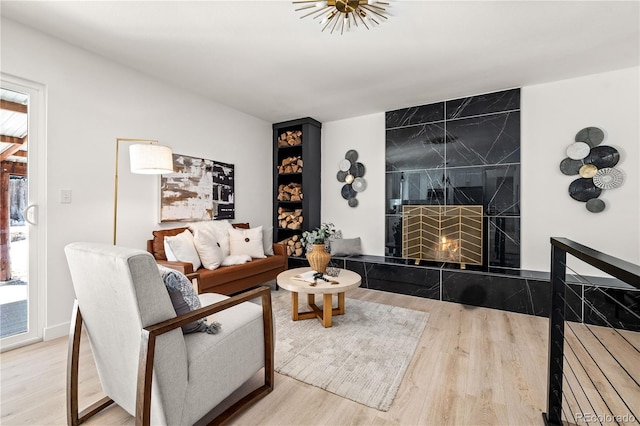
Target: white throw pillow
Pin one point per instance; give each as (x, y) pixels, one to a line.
(208, 248)
(220, 229)
(236, 260)
(183, 248)
(168, 252)
(246, 241)
(267, 241)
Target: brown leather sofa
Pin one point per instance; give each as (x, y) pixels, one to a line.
(226, 279)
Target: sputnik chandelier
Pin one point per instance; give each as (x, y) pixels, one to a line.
(343, 14)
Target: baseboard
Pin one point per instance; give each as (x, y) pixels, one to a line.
(56, 331)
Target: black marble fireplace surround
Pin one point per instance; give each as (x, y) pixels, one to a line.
(459, 152)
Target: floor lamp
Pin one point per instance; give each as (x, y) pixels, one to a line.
(145, 157)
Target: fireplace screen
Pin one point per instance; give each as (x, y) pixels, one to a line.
(442, 233)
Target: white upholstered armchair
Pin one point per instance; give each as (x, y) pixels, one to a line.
(145, 362)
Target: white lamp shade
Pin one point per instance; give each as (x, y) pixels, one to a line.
(150, 159)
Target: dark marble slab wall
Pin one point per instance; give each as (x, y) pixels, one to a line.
(461, 151)
(519, 291)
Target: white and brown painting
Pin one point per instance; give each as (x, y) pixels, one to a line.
(199, 190)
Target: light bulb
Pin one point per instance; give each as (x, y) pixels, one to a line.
(321, 4)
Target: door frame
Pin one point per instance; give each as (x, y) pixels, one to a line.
(37, 190)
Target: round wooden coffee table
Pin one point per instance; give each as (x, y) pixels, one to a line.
(346, 281)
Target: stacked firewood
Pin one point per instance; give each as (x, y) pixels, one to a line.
(290, 138)
(289, 219)
(291, 165)
(294, 246)
(290, 192)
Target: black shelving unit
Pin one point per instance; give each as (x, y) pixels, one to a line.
(309, 151)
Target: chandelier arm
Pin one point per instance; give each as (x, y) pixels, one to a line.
(373, 11)
(363, 21)
(337, 18)
(309, 6)
(374, 6)
(319, 12)
(328, 22)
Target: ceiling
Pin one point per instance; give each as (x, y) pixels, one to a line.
(261, 58)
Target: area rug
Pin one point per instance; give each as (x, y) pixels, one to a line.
(363, 357)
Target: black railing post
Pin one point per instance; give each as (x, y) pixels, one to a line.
(553, 416)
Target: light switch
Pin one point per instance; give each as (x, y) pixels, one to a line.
(65, 196)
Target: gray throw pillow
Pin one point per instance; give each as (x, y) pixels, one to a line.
(184, 300)
(346, 247)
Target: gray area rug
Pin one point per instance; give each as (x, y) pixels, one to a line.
(363, 357)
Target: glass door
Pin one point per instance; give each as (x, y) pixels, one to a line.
(21, 316)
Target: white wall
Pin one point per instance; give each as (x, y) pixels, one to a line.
(551, 116)
(366, 135)
(91, 102)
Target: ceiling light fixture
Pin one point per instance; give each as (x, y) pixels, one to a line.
(342, 14)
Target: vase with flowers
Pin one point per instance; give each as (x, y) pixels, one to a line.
(317, 239)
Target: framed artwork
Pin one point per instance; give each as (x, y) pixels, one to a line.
(199, 190)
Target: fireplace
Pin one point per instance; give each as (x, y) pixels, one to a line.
(443, 234)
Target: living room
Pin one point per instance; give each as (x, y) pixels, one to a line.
(91, 100)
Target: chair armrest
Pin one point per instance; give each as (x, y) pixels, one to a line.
(150, 333)
(279, 249)
(184, 267)
(179, 321)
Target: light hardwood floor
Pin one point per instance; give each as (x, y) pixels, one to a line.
(473, 366)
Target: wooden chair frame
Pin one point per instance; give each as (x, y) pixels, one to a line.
(147, 353)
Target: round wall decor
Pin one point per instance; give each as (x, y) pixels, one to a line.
(594, 163)
(603, 156)
(608, 178)
(583, 189)
(592, 136)
(351, 172)
(578, 150)
(595, 205)
(570, 167)
(588, 170)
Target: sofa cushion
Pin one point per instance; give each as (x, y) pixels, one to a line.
(220, 229)
(238, 259)
(246, 241)
(227, 274)
(208, 248)
(183, 248)
(158, 241)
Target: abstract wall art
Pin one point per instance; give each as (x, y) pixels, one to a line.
(199, 190)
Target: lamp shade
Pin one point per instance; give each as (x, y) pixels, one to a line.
(150, 159)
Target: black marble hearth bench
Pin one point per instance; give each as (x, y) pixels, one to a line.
(511, 290)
